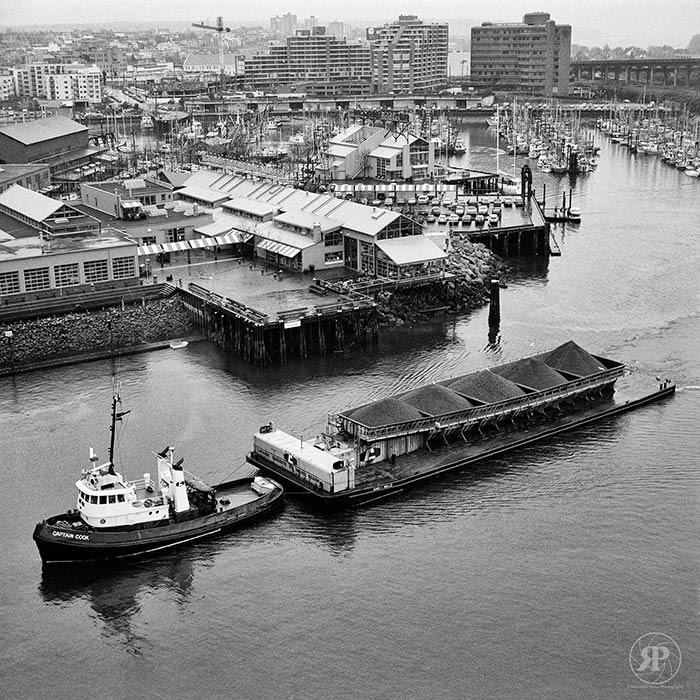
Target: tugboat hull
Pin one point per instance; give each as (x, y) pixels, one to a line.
(62, 539)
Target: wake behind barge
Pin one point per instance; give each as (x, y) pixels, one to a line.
(384, 447)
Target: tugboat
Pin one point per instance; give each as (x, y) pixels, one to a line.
(116, 518)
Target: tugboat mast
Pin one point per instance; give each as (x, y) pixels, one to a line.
(116, 415)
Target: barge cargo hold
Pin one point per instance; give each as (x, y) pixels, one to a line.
(384, 447)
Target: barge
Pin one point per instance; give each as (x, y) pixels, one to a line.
(381, 448)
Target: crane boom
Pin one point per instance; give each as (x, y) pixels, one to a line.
(220, 29)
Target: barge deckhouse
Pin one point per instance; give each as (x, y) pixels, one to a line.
(377, 449)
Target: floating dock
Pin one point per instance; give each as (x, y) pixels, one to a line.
(384, 447)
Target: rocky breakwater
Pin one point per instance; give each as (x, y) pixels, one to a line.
(469, 269)
(92, 333)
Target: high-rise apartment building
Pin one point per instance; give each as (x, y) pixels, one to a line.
(312, 61)
(531, 57)
(285, 24)
(59, 81)
(408, 56)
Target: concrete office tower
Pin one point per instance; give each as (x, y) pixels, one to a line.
(531, 57)
(408, 56)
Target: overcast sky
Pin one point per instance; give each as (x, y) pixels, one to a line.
(617, 22)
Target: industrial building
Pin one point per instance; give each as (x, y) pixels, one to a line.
(32, 176)
(532, 57)
(46, 244)
(60, 143)
(408, 56)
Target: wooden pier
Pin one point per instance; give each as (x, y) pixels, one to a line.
(294, 333)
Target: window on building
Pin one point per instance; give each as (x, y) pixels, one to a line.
(337, 256)
(175, 234)
(66, 275)
(334, 237)
(95, 271)
(146, 240)
(123, 267)
(9, 283)
(37, 279)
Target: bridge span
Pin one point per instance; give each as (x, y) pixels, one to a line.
(676, 72)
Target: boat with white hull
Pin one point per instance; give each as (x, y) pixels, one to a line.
(116, 518)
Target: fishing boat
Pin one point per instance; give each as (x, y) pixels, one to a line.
(115, 518)
(381, 448)
(574, 214)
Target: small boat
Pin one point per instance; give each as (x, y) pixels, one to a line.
(574, 214)
(178, 344)
(692, 172)
(116, 518)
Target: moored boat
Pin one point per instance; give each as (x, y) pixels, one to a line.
(381, 448)
(116, 518)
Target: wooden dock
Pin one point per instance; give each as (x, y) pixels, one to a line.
(303, 332)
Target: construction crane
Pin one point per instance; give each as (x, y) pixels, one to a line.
(220, 29)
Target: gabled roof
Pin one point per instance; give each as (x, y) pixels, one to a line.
(249, 206)
(387, 152)
(204, 194)
(42, 130)
(411, 249)
(29, 203)
(306, 220)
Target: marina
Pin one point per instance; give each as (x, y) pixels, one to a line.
(560, 527)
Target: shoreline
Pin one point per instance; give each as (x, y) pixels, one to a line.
(102, 354)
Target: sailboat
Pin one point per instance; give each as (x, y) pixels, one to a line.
(116, 518)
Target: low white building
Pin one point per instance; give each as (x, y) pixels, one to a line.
(363, 151)
(207, 63)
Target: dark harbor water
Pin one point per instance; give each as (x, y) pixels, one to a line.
(529, 576)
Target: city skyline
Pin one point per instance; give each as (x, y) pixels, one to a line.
(594, 22)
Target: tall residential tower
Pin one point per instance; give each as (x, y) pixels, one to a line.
(531, 57)
(408, 56)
